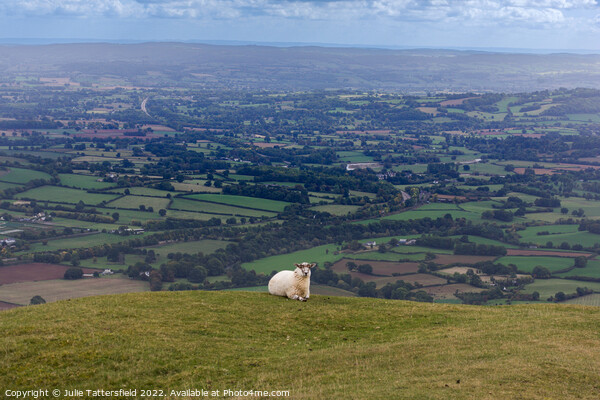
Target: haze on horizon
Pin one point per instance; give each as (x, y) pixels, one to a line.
(531, 24)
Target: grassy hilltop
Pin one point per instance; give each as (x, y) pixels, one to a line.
(329, 347)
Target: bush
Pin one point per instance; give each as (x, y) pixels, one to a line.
(73, 273)
(37, 300)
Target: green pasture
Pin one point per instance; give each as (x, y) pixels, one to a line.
(588, 300)
(242, 201)
(202, 206)
(591, 270)
(549, 287)
(559, 234)
(22, 175)
(353, 156)
(96, 239)
(134, 202)
(65, 195)
(83, 181)
(145, 191)
(6, 185)
(526, 264)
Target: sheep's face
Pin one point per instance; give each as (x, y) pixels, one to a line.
(304, 268)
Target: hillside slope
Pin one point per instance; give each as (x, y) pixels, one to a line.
(329, 347)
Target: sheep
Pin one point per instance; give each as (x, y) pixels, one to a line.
(294, 285)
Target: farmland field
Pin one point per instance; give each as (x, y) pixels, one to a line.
(95, 239)
(60, 289)
(33, 272)
(587, 300)
(242, 201)
(591, 270)
(202, 206)
(83, 181)
(65, 195)
(134, 202)
(444, 259)
(549, 287)
(335, 209)
(447, 291)
(528, 263)
(21, 175)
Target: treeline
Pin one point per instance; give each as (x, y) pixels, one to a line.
(461, 247)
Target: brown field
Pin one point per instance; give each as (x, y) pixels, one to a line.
(519, 252)
(485, 278)
(374, 132)
(447, 291)
(423, 279)
(7, 306)
(379, 267)
(445, 259)
(538, 171)
(112, 133)
(60, 289)
(455, 102)
(34, 272)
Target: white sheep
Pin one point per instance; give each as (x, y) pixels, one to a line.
(294, 284)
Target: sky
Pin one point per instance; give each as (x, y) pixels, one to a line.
(513, 24)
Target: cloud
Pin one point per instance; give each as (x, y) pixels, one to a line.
(474, 12)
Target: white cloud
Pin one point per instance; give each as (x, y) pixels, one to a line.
(474, 12)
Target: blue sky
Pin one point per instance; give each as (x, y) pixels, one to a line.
(533, 24)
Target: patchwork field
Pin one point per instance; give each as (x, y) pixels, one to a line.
(22, 175)
(527, 264)
(379, 267)
(202, 206)
(83, 181)
(134, 202)
(241, 201)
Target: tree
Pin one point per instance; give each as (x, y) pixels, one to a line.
(540, 272)
(73, 273)
(115, 216)
(162, 212)
(365, 269)
(560, 296)
(580, 262)
(198, 274)
(37, 300)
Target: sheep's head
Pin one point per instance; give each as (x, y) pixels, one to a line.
(304, 268)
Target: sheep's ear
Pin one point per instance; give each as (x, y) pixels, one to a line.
(297, 265)
(313, 265)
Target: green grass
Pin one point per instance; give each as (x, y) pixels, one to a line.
(592, 270)
(588, 300)
(319, 254)
(96, 239)
(65, 195)
(242, 201)
(558, 235)
(6, 185)
(349, 347)
(83, 181)
(526, 264)
(202, 206)
(144, 191)
(549, 287)
(134, 202)
(21, 175)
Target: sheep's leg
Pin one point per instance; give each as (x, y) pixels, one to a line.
(302, 298)
(295, 297)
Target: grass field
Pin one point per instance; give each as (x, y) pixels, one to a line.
(65, 195)
(559, 234)
(22, 175)
(242, 201)
(591, 270)
(588, 300)
(135, 201)
(83, 181)
(61, 289)
(96, 239)
(202, 206)
(249, 340)
(144, 191)
(526, 264)
(549, 287)
(6, 185)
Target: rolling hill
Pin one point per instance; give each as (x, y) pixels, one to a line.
(296, 68)
(329, 347)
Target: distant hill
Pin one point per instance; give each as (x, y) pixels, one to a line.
(298, 68)
(329, 347)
